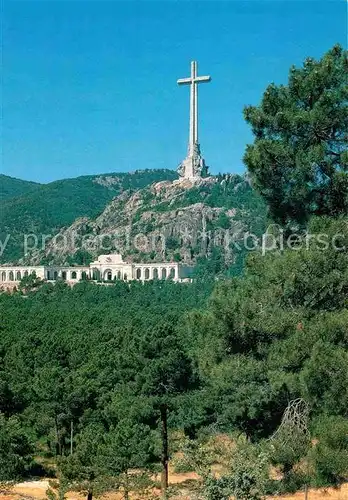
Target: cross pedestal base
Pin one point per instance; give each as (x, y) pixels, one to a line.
(194, 165)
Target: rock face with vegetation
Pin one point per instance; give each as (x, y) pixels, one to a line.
(178, 220)
(27, 208)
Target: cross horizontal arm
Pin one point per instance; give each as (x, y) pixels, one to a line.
(202, 79)
(184, 81)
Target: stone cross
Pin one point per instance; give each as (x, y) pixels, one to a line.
(194, 158)
(193, 80)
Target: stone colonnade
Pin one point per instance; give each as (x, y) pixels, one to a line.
(9, 274)
(125, 272)
(152, 272)
(139, 272)
(67, 273)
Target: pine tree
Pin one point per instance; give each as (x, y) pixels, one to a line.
(299, 158)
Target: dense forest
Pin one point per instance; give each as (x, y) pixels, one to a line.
(101, 386)
(11, 187)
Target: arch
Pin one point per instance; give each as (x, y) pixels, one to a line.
(172, 273)
(55, 275)
(155, 273)
(26, 274)
(125, 277)
(163, 273)
(18, 276)
(96, 274)
(11, 276)
(147, 273)
(64, 275)
(73, 275)
(3, 276)
(119, 275)
(108, 275)
(83, 275)
(138, 273)
(48, 275)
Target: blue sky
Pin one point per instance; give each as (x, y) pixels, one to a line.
(90, 86)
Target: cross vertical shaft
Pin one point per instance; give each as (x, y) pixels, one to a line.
(193, 157)
(193, 108)
(196, 107)
(193, 81)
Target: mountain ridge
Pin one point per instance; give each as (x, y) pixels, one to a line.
(11, 187)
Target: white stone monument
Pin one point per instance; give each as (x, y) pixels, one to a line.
(193, 166)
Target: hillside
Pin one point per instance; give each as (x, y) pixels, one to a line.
(49, 207)
(179, 221)
(11, 187)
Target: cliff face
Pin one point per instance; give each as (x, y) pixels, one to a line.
(178, 220)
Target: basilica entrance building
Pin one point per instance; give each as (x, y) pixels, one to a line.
(106, 268)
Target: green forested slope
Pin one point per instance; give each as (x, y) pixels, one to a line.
(11, 187)
(59, 203)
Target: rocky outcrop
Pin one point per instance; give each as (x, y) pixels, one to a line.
(180, 220)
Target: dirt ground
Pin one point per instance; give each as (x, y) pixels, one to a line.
(36, 490)
(321, 494)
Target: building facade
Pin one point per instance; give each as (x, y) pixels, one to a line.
(105, 268)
